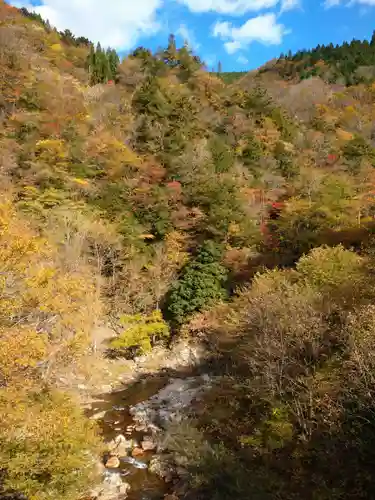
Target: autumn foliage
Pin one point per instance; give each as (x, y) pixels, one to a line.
(150, 194)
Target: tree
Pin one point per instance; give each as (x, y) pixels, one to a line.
(201, 283)
(170, 55)
(102, 65)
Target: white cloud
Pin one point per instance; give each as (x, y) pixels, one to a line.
(263, 29)
(222, 29)
(348, 3)
(289, 5)
(242, 60)
(117, 23)
(238, 7)
(228, 6)
(188, 36)
(232, 47)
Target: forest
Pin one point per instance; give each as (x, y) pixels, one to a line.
(350, 63)
(238, 213)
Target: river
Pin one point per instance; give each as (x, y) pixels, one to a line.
(144, 485)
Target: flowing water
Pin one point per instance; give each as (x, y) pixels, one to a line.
(144, 484)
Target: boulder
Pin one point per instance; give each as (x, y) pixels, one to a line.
(140, 428)
(113, 463)
(124, 488)
(120, 446)
(112, 488)
(137, 452)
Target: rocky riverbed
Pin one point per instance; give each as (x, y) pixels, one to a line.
(134, 421)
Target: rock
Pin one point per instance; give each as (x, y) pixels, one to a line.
(148, 444)
(113, 463)
(171, 403)
(137, 452)
(113, 479)
(182, 354)
(99, 415)
(140, 428)
(112, 488)
(124, 488)
(81, 387)
(120, 446)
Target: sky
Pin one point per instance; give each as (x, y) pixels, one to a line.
(242, 34)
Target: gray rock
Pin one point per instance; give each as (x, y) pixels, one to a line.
(112, 487)
(120, 446)
(170, 404)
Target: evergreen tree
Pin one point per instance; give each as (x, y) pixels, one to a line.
(202, 281)
(170, 55)
(102, 65)
(113, 60)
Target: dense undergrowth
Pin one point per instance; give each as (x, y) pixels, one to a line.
(150, 191)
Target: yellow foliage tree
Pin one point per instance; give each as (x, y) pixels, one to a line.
(47, 446)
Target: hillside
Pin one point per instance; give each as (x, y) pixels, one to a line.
(348, 64)
(149, 194)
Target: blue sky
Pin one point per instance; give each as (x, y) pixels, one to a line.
(242, 34)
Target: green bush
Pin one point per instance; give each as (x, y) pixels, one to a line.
(140, 333)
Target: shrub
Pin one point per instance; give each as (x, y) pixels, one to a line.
(140, 333)
(327, 267)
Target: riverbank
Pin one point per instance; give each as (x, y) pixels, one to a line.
(133, 402)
